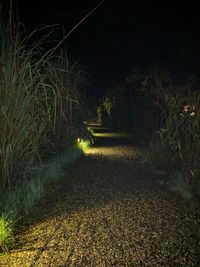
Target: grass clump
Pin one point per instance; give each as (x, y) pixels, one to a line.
(17, 201)
(40, 108)
(39, 105)
(179, 140)
(175, 144)
(22, 124)
(6, 233)
(83, 145)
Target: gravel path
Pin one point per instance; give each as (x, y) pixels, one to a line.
(110, 211)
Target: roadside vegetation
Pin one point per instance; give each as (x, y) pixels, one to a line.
(157, 111)
(41, 107)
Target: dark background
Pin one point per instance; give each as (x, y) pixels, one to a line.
(122, 35)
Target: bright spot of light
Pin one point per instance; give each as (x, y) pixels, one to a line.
(83, 145)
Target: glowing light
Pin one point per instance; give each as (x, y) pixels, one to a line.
(83, 145)
(112, 135)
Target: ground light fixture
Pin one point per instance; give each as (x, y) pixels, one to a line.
(83, 144)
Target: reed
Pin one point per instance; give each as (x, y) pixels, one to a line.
(39, 104)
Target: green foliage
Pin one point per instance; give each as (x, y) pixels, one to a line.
(39, 104)
(68, 78)
(19, 200)
(40, 107)
(177, 143)
(83, 145)
(6, 233)
(180, 136)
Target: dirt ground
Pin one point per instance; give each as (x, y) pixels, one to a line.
(109, 211)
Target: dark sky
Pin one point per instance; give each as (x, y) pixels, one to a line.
(120, 35)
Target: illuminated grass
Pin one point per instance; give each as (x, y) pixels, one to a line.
(19, 200)
(6, 234)
(83, 145)
(38, 96)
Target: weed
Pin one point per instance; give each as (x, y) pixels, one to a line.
(6, 233)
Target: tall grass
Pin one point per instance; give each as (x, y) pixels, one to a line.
(40, 108)
(174, 115)
(6, 233)
(177, 143)
(68, 78)
(37, 105)
(19, 200)
(180, 135)
(22, 120)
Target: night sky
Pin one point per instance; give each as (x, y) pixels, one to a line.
(122, 35)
